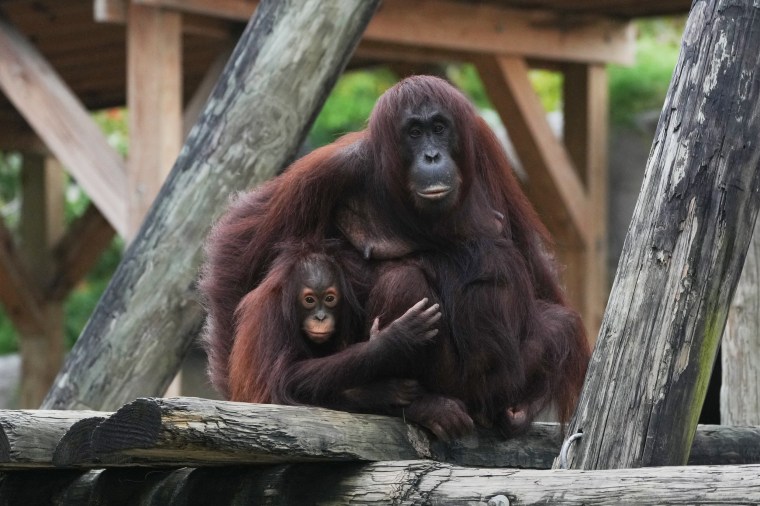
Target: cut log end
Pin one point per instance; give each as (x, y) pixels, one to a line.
(136, 425)
(75, 446)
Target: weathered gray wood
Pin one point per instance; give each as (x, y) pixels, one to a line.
(194, 432)
(684, 251)
(74, 449)
(286, 62)
(197, 432)
(740, 348)
(28, 438)
(400, 482)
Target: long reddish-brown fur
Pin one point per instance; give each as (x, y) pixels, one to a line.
(508, 339)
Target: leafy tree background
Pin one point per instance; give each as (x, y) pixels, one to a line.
(633, 90)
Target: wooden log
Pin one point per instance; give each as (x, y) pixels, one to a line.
(194, 432)
(251, 128)
(683, 254)
(197, 432)
(399, 482)
(28, 438)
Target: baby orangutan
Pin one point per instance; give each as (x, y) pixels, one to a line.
(305, 319)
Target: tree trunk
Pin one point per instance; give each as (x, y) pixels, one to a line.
(285, 64)
(683, 254)
(740, 385)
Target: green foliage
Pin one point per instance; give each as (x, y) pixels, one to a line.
(643, 86)
(348, 106)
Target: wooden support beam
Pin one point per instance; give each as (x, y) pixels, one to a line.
(683, 253)
(476, 28)
(554, 186)
(55, 113)
(250, 129)
(78, 251)
(585, 137)
(395, 482)
(42, 224)
(154, 100)
(18, 294)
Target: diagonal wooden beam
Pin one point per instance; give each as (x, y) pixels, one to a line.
(17, 289)
(59, 118)
(78, 251)
(476, 28)
(554, 186)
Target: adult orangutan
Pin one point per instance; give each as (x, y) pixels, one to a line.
(427, 195)
(300, 316)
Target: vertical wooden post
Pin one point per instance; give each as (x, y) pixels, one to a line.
(42, 225)
(683, 254)
(740, 352)
(585, 137)
(154, 100)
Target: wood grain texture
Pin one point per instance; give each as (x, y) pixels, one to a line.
(28, 438)
(683, 253)
(280, 73)
(400, 483)
(740, 348)
(199, 432)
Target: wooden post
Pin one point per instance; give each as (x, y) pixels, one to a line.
(740, 352)
(683, 254)
(154, 100)
(585, 136)
(252, 126)
(41, 226)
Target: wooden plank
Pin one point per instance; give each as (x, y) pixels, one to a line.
(585, 137)
(35, 89)
(78, 251)
(154, 100)
(395, 482)
(42, 223)
(251, 127)
(740, 346)
(477, 28)
(683, 253)
(554, 187)
(28, 438)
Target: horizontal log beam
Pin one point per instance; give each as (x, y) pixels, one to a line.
(399, 482)
(198, 432)
(480, 29)
(62, 122)
(28, 438)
